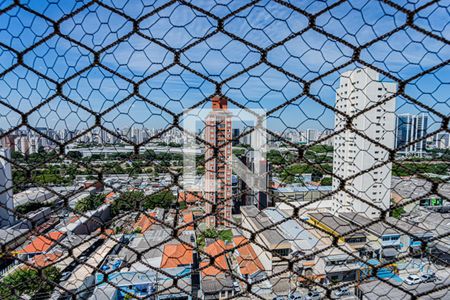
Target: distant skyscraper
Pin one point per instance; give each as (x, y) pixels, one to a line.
(34, 144)
(218, 176)
(329, 139)
(360, 89)
(236, 133)
(247, 138)
(442, 140)
(8, 141)
(22, 145)
(259, 199)
(312, 135)
(411, 128)
(6, 193)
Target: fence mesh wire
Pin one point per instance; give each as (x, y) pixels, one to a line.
(95, 98)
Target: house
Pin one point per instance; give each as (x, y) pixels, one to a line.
(41, 244)
(176, 255)
(338, 227)
(144, 222)
(248, 266)
(215, 281)
(276, 248)
(44, 260)
(316, 259)
(189, 197)
(137, 275)
(387, 241)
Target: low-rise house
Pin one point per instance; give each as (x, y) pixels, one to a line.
(216, 282)
(387, 241)
(44, 260)
(275, 258)
(177, 255)
(300, 193)
(187, 220)
(338, 227)
(248, 267)
(90, 221)
(144, 222)
(128, 273)
(390, 289)
(41, 244)
(311, 248)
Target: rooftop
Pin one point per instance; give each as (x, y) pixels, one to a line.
(42, 243)
(247, 259)
(294, 230)
(220, 264)
(379, 228)
(175, 255)
(44, 260)
(336, 224)
(145, 221)
(262, 222)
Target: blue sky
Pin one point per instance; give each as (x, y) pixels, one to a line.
(404, 54)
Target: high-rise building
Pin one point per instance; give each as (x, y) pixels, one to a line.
(312, 135)
(327, 133)
(441, 140)
(411, 129)
(22, 145)
(35, 144)
(260, 199)
(8, 141)
(360, 89)
(6, 193)
(218, 157)
(235, 135)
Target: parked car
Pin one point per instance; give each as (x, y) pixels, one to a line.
(430, 277)
(83, 258)
(313, 295)
(64, 276)
(413, 279)
(342, 291)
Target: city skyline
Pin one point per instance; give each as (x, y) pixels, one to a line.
(216, 149)
(177, 89)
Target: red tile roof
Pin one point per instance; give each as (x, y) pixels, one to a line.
(247, 259)
(188, 197)
(220, 262)
(188, 217)
(42, 243)
(145, 221)
(175, 255)
(44, 260)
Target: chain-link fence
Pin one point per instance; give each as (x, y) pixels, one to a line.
(215, 149)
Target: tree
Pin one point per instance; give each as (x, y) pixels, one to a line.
(128, 201)
(27, 281)
(75, 155)
(149, 155)
(212, 233)
(90, 202)
(326, 181)
(275, 157)
(32, 206)
(162, 199)
(398, 212)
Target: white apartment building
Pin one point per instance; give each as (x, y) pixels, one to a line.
(6, 193)
(358, 90)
